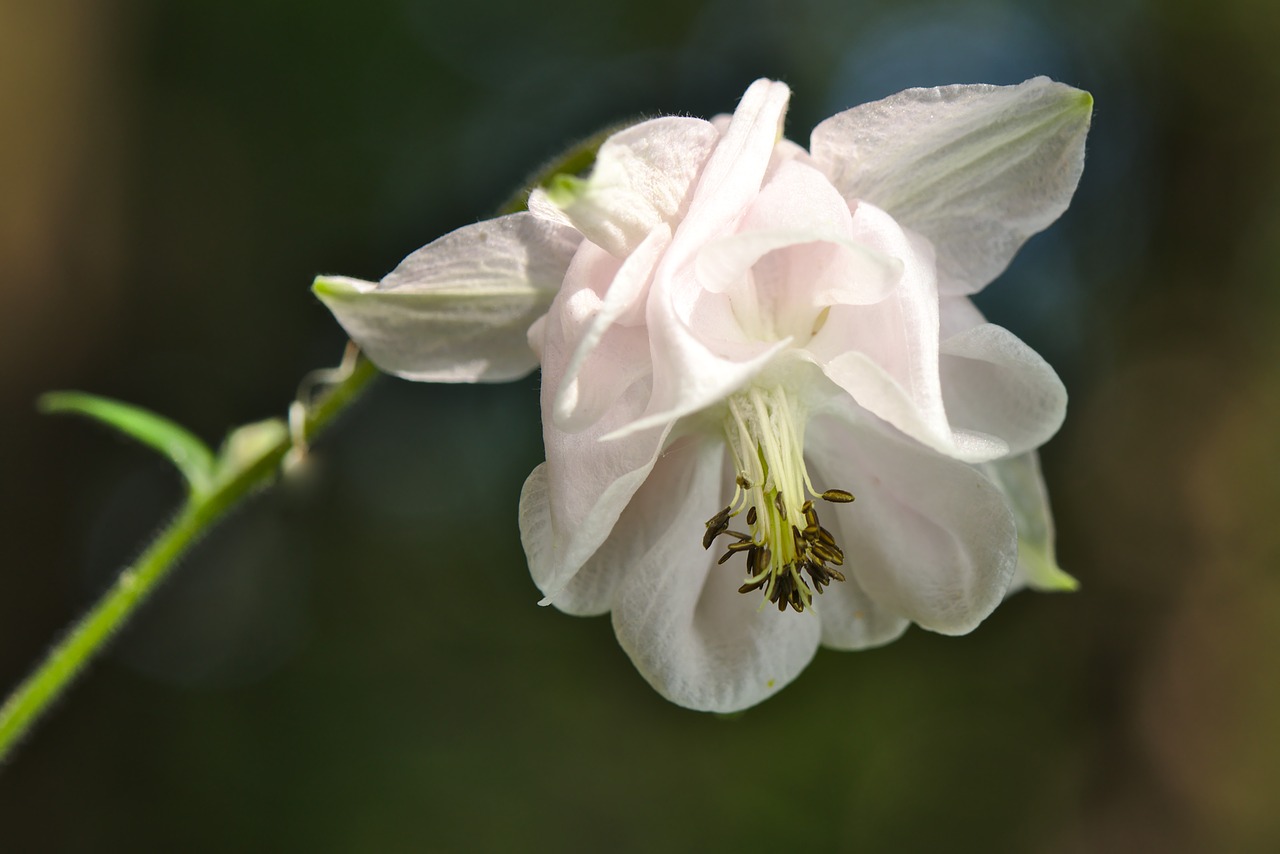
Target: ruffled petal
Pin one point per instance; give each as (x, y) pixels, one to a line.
(458, 309)
(643, 177)
(735, 172)
(797, 210)
(993, 384)
(928, 538)
(601, 308)
(1019, 480)
(975, 169)
(589, 591)
(886, 355)
(851, 618)
(699, 642)
(689, 376)
(587, 482)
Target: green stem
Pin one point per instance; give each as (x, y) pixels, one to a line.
(202, 511)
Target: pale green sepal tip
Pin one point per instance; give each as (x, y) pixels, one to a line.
(325, 286)
(181, 447)
(563, 190)
(1043, 573)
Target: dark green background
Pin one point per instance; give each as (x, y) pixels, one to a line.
(356, 661)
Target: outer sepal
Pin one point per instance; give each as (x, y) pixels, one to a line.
(1019, 480)
(458, 309)
(976, 169)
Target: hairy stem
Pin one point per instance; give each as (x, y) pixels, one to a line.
(204, 508)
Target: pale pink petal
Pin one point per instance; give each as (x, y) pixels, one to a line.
(958, 314)
(601, 308)
(928, 538)
(736, 169)
(573, 506)
(687, 375)
(994, 384)
(800, 212)
(698, 641)
(851, 619)
(589, 590)
(886, 355)
(643, 177)
(586, 482)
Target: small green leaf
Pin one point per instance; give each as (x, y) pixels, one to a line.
(191, 456)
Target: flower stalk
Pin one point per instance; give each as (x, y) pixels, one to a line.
(251, 458)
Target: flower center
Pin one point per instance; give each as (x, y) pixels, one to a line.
(786, 542)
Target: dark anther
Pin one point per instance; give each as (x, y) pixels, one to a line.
(831, 555)
(751, 515)
(838, 496)
(777, 502)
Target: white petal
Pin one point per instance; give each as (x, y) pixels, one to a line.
(851, 619)
(1019, 479)
(699, 642)
(976, 169)
(796, 208)
(736, 170)
(958, 314)
(886, 355)
(607, 357)
(590, 591)
(588, 482)
(688, 375)
(994, 384)
(458, 309)
(643, 177)
(928, 538)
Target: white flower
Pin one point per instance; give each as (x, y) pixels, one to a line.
(736, 337)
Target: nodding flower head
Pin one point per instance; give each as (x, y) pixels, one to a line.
(737, 336)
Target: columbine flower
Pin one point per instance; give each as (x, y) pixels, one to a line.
(737, 338)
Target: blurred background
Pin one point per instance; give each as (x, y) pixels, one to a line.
(356, 661)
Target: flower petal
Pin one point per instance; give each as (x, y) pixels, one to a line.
(458, 309)
(886, 355)
(736, 169)
(994, 384)
(798, 207)
(589, 591)
(928, 538)
(643, 177)
(607, 357)
(1022, 485)
(689, 376)
(975, 169)
(586, 485)
(688, 631)
(587, 482)
(851, 618)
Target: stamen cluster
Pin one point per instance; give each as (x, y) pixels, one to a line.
(809, 550)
